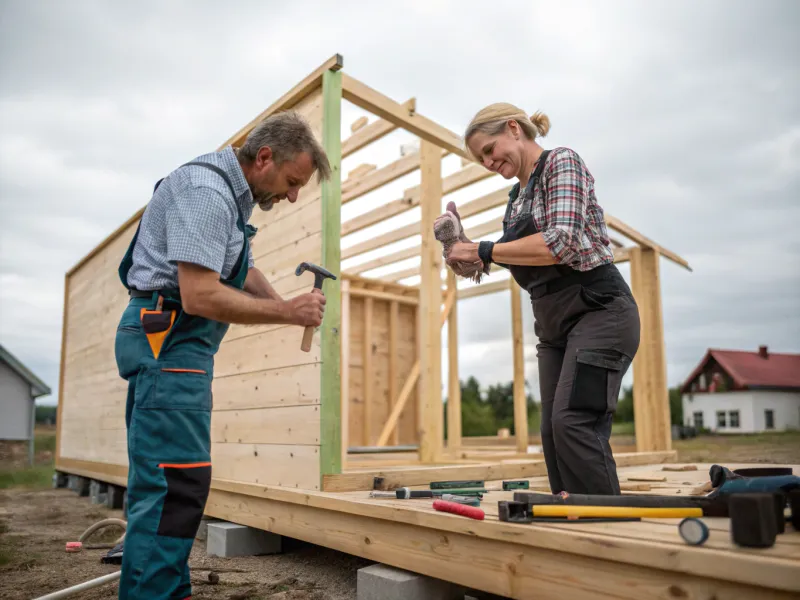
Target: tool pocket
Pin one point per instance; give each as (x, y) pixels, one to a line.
(156, 325)
(597, 380)
(187, 485)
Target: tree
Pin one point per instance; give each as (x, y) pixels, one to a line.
(625, 411)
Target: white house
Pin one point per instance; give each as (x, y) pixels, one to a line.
(735, 391)
(19, 388)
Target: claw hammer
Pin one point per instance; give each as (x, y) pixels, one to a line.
(320, 275)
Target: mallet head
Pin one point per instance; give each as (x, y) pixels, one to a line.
(319, 273)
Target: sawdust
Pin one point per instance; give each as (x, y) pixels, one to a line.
(35, 526)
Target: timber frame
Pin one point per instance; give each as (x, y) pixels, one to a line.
(429, 304)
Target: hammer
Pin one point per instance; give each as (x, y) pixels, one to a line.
(319, 275)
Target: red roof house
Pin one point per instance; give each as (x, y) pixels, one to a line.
(735, 391)
(741, 370)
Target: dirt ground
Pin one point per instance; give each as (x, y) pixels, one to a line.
(36, 524)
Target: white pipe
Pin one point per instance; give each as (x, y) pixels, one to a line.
(81, 586)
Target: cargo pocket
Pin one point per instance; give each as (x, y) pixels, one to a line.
(173, 420)
(188, 485)
(597, 380)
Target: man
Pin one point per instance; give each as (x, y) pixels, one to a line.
(189, 270)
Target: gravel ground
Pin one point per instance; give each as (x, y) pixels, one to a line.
(35, 525)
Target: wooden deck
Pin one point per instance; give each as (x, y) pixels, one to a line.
(634, 560)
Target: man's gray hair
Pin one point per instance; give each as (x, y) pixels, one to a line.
(287, 134)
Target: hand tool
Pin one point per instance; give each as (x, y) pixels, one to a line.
(468, 500)
(693, 531)
(753, 522)
(507, 486)
(405, 493)
(319, 275)
(613, 511)
(459, 509)
(521, 512)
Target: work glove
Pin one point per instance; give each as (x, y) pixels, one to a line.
(447, 228)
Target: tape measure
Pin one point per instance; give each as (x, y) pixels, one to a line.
(693, 531)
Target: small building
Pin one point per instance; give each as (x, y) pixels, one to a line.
(19, 389)
(735, 391)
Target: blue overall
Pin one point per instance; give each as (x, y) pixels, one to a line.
(167, 357)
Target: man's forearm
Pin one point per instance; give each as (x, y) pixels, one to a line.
(257, 285)
(228, 305)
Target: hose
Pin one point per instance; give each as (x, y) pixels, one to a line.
(99, 580)
(100, 525)
(81, 586)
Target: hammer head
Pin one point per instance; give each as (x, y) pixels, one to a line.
(319, 273)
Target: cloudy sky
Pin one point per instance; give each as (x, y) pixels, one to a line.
(687, 114)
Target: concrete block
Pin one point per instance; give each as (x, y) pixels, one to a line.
(60, 480)
(382, 582)
(202, 530)
(98, 491)
(79, 484)
(230, 539)
(114, 497)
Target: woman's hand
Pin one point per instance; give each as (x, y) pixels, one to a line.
(463, 252)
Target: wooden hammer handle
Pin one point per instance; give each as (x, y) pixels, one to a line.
(308, 334)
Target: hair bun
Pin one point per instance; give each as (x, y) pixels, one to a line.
(541, 122)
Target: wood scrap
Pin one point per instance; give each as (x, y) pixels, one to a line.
(682, 468)
(634, 487)
(649, 478)
(358, 124)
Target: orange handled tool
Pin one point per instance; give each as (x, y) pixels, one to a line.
(459, 509)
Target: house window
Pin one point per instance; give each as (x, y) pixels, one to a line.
(698, 419)
(733, 418)
(720, 418)
(769, 419)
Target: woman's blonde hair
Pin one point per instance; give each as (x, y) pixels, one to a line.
(492, 120)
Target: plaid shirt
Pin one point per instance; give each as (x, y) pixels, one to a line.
(570, 219)
(192, 218)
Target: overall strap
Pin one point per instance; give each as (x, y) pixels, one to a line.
(227, 179)
(534, 180)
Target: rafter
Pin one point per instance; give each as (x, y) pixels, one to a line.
(373, 132)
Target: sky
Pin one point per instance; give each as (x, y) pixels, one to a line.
(686, 113)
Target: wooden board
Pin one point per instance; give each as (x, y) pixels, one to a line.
(379, 358)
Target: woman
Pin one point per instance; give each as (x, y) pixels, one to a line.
(556, 246)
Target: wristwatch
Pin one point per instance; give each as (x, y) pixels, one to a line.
(485, 251)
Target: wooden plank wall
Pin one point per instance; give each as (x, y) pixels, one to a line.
(366, 424)
(266, 418)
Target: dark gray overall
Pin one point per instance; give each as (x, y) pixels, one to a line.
(588, 329)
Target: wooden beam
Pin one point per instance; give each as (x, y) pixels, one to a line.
(473, 233)
(410, 199)
(643, 241)
(394, 325)
(386, 108)
(650, 393)
(365, 293)
(345, 372)
(290, 98)
(520, 402)
(431, 426)
(63, 359)
(453, 383)
(483, 288)
(359, 186)
(373, 132)
(331, 443)
(359, 123)
(367, 371)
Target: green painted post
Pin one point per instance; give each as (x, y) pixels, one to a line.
(330, 385)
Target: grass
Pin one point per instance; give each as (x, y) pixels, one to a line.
(622, 428)
(44, 441)
(38, 477)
